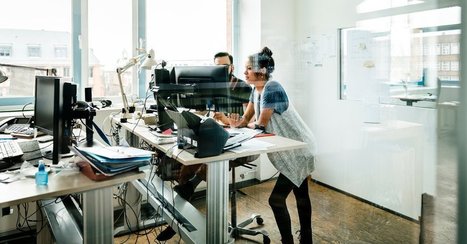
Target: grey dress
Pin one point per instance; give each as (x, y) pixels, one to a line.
(297, 164)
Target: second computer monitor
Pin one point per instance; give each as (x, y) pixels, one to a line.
(53, 102)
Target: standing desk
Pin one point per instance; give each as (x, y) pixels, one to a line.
(97, 199)
(215, 230)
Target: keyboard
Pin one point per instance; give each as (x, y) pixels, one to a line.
(14, 128)
(9, 149)
(27, 133)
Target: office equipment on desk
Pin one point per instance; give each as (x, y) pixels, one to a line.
(28, 133)
(147, 61)
(31, 153)
(13, 124)
(45, 138)
(207, 136)
(165, 140)
(10, 149)
(239, 136)
(201, 88)
(53, 111)
(42, 176)
(110, 161)
(16, 128)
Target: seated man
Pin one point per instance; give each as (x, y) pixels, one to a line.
(190, 176)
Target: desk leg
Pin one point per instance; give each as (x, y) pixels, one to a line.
(42, 227)
(98, 216)
(217, 197)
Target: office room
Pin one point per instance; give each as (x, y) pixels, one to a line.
(373, 85)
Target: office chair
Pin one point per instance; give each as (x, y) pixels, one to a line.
(236, 230)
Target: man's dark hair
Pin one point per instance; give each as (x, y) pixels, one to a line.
(223, 54)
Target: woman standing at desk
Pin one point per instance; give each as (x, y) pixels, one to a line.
(269, 104)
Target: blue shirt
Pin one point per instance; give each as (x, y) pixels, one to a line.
(273, 97)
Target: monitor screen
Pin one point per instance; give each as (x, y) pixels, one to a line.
(53, 111)
(210, 87)
(45, 103)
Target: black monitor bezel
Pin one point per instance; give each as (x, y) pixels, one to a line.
(64, 96)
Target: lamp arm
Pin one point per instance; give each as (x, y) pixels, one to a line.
(133, 61)
(122, 91)
(52, 71)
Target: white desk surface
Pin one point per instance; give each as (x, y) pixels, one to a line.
(279, 143)
(59, 184)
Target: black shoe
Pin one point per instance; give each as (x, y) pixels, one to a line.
(305, 237)
(186, 190)
(166, 234)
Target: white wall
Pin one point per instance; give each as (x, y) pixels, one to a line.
(303, 36)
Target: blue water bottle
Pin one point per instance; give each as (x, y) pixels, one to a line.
(42, 177)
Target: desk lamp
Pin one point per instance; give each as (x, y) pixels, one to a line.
(148, 62)
(3, 77)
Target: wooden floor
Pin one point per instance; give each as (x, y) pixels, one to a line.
(337, 218)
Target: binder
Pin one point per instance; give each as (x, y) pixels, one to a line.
(110, 161)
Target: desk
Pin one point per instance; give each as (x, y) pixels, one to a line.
(217, 179)
(410, 99)
(97, 198)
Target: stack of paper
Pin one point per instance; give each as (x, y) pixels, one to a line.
(111, 160)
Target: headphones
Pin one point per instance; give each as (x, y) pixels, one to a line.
(105, 103)
(82, 104)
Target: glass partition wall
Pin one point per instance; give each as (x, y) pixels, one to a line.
(410, 55)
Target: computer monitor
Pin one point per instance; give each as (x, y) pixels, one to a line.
(201, 88)
(194, 87)
(210, 87)
(53, 114)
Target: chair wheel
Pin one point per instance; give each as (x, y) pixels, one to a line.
(259, 221)
(266, 240)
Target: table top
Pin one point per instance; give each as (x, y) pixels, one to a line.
(278, 144)
(416, 97)
(61, 183)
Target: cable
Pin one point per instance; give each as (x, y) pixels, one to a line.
(48, 145)
(142, 111)
(22, 110)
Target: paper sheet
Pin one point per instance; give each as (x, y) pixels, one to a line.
(252, 145)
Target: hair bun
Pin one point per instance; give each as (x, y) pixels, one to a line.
(266, 51)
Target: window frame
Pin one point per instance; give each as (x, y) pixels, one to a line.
(79, 49)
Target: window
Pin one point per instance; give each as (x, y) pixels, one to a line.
(445, 66)
(454, 65)
(61, 52)
(381, 54)
(181, 38)
(34, 51)
(33, 43)
(445, 48)
(110, 46)
(5, 51)
(455, 48)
